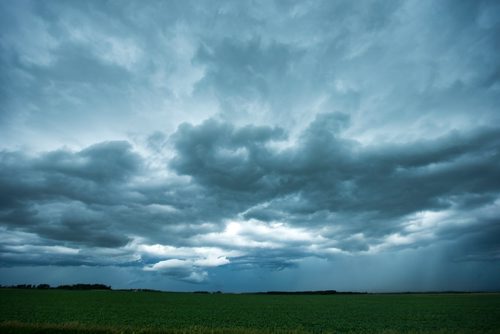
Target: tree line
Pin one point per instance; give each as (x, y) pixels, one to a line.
(78, 286)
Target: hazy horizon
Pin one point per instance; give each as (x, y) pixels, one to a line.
(251, 145)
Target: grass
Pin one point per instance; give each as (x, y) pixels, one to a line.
(58, 311)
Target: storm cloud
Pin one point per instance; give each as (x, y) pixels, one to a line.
(185, 143)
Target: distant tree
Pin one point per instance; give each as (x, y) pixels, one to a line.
(43, 286)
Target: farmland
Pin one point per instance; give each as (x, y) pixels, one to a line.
(59, 311)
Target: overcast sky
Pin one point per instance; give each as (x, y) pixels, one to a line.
(251, 145)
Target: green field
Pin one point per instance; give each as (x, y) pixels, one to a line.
(58, 311)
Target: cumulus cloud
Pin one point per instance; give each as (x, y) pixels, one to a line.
(187, 270)
(180, 269)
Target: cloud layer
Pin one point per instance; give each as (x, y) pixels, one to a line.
(247, 201)
(185, 142)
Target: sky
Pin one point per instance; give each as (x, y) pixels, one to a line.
(251, 145)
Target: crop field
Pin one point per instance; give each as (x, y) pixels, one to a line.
(59, 311)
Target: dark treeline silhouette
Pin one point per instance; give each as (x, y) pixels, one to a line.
(139, 290)
(78, 286)
(84, 287)
(203, 292)
(321, 292)
(444, 292)
(26, 286)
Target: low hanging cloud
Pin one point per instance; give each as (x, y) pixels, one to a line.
(191, 271)
(251, 196)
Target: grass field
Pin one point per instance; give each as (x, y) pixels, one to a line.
(58, 311)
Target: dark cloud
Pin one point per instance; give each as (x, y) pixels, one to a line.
(63, 195)
(77, 176)
(101, 163)
(218, 155)
(331, 173)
